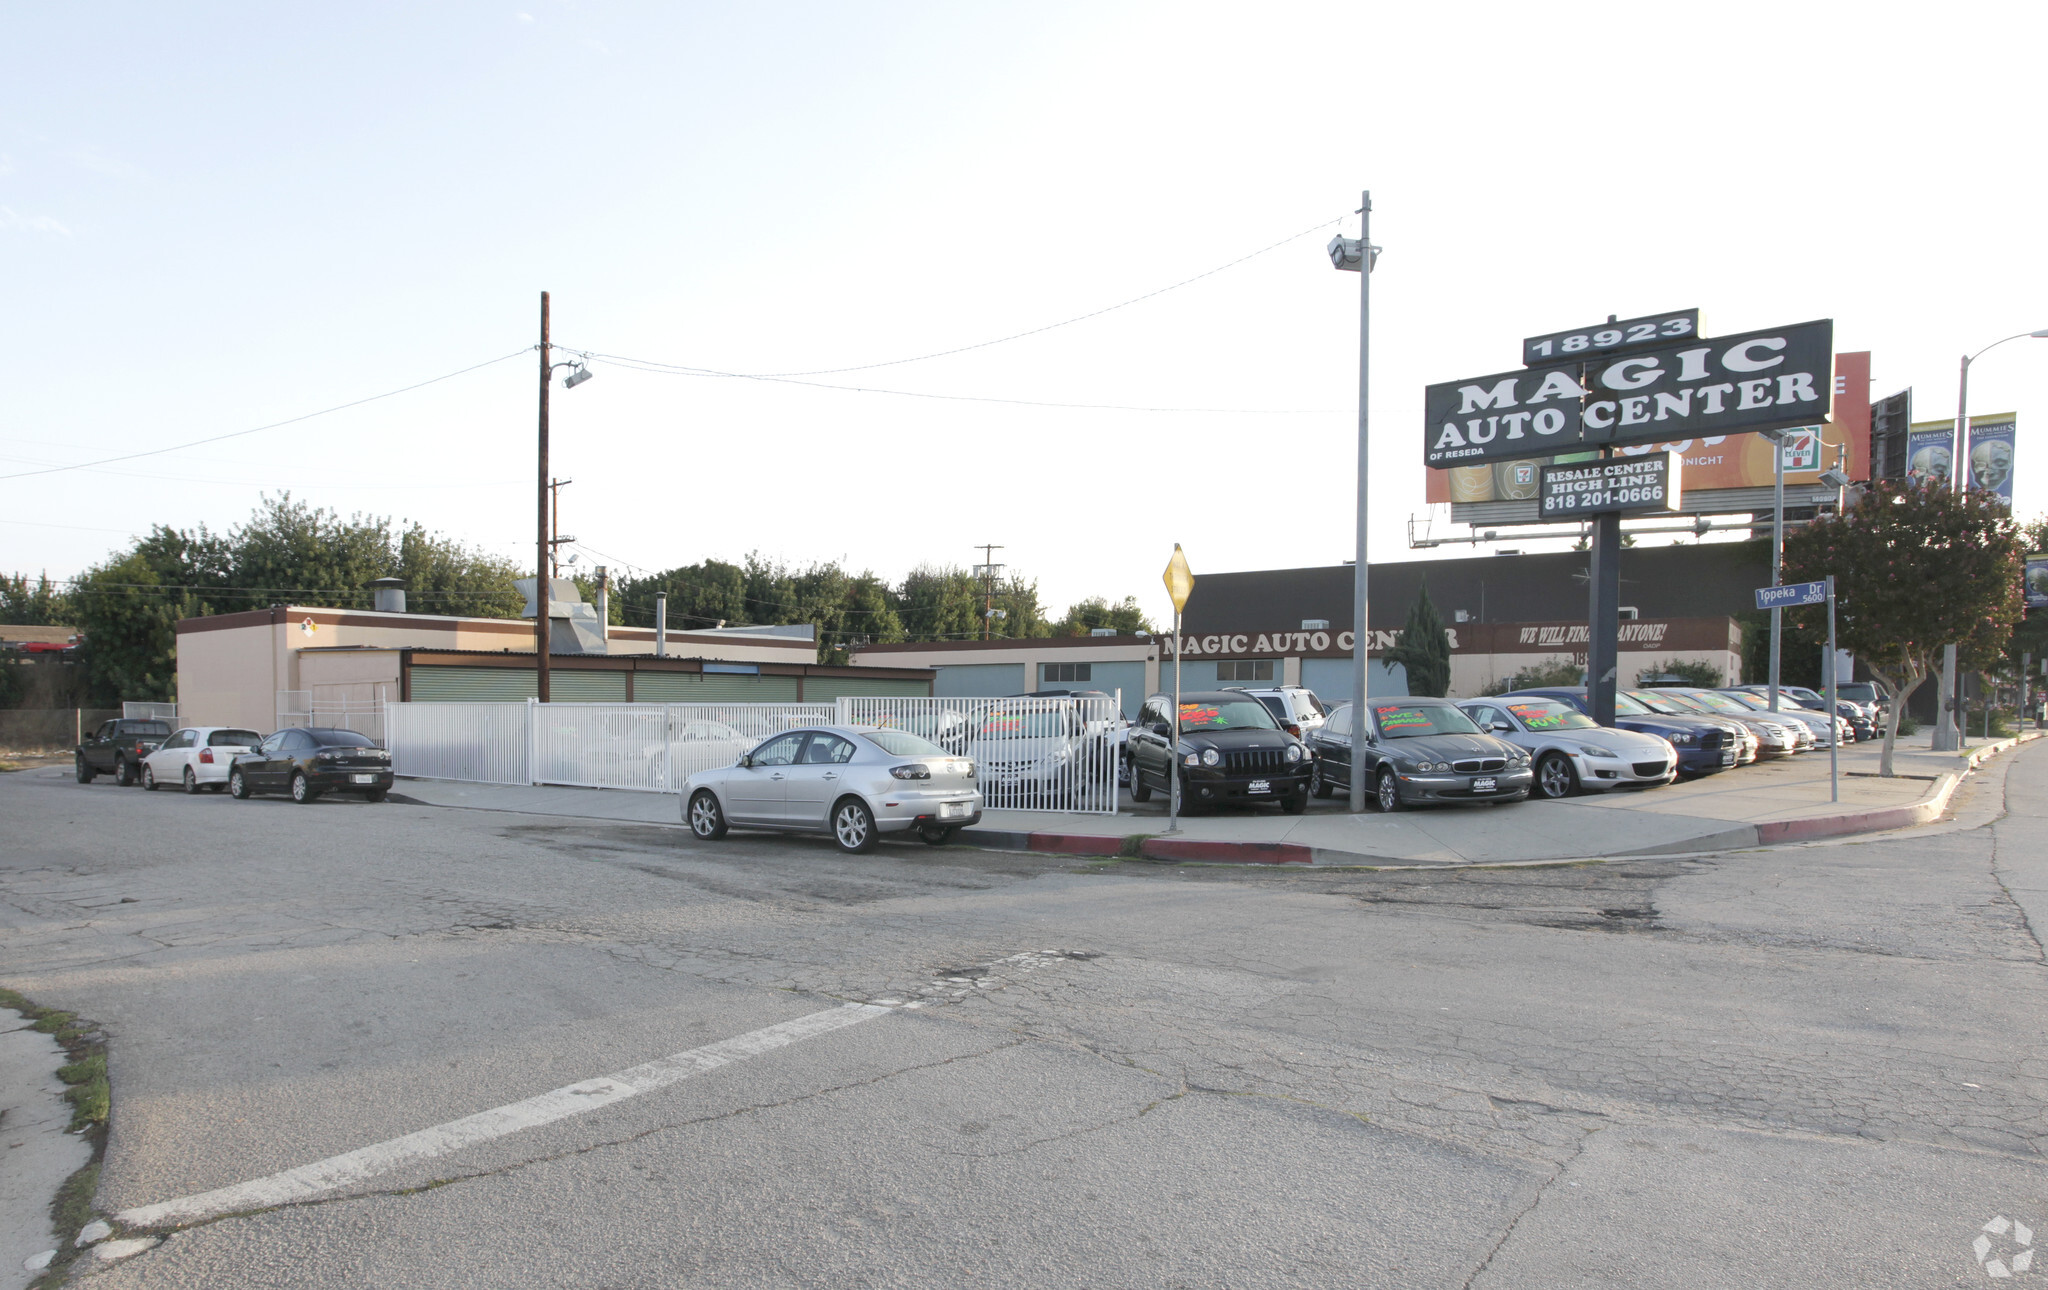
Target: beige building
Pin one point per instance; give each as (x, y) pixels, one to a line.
(285, 665)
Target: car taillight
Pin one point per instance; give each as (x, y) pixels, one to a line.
(1292, 729)
(206, 756)
(140, 748)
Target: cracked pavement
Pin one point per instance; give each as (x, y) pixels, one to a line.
(1820, 1064)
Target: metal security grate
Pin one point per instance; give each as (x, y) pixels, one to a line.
(1251, 760)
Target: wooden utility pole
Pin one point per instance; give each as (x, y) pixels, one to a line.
(542, 551)
(987, 570)
(555, 542)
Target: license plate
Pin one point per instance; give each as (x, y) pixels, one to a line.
(1728, 758)
(1259, 786)
(1485, 784)
(948, 810)
(362, 779)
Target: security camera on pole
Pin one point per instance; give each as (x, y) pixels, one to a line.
(1358, 255)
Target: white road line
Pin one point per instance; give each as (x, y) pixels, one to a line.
(575, 1099)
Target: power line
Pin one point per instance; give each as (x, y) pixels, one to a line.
(1036, 331)
(275, 425)
(679, 369)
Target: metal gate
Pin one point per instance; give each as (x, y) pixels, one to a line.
(1051, 754)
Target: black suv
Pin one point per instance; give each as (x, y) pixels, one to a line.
(1231, 750)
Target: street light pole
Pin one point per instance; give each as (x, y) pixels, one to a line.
(1357, 257)
(1777, 440)
(1948, 718)
(542, 550)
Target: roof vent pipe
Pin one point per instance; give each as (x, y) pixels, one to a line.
(390, 595)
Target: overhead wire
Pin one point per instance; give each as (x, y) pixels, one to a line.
(275, 425)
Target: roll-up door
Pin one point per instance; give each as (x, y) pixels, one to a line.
(978, 680)
(579, 686)
(824, 689)
(437, 684)
(712, 687)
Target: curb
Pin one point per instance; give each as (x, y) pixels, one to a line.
(1768, 833)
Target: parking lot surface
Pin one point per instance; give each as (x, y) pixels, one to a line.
(1816, 1065)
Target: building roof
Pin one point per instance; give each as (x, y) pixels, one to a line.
(1024, 642)
(38, 635)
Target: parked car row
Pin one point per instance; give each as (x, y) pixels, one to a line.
(303, 761)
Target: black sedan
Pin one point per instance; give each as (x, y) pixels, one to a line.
(1705, 744)
(308, 761)
(1420, 750)
(1231, 750)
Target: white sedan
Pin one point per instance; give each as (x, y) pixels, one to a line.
(197, 757)
(1574, 754)
(852, 782)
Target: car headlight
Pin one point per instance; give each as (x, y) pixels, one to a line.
(1192, 759)
(1210, 757)
(916, 770)
(1294, 752)
(1681, 738)
(1520, 759)
(970, 770)
(1598, 750)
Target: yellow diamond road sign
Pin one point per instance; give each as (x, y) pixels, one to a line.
(1180, 580)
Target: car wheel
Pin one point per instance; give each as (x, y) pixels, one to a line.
(1295, 803)
(148, 778)
(375, 794)
(937, 835)
(237, 786)
(85, 772)
(1389, 791)
(707, 821)
(1555, 777)
(191, 782)
(303, 791)
(124, 773)
(1319, 783)
(1140, 790)
(853, 825)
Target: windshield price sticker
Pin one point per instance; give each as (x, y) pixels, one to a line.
(1395, 718)
(1649, 482)
(1689, 388)
(1634, 333)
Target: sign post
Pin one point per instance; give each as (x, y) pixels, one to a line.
(1180, 581)
(1779, 596)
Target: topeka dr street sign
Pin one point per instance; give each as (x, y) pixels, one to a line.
(1652, 381)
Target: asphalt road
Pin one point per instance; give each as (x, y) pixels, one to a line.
(1814, 1066)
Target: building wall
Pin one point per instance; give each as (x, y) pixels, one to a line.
(230, 678)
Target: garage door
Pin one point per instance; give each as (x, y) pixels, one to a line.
(1330, 678)
(979, 681)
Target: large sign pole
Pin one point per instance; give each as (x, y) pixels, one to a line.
(1603, 616)
(1834, 695)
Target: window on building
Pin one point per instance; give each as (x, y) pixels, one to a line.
(1251, 669)
(1049, 672)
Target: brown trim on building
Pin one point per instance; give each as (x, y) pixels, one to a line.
(1026, 642)
(631, 663)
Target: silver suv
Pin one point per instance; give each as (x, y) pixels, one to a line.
(1295, 707)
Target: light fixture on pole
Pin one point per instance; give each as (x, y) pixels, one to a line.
(1947, 722)
(578, 374)
(1358, 255)
(1180, 581)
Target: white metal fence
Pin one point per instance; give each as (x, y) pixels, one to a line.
(359, 708)
(1056, 754)
(1047, 754)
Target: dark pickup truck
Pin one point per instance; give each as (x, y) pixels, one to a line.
(118, 747)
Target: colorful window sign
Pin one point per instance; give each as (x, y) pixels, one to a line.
(1548, 716)
(1200, 716)
(1396, 718)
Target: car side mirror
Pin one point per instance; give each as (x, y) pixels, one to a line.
(1501, 728)
(746, 759)
(1160, 728)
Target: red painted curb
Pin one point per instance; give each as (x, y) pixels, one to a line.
(1228, 852)
(1074, 844)
(1828, 826)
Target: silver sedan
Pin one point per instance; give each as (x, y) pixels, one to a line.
(851, 782)
(1573, 753)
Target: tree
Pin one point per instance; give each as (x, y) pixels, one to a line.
(1084, 616)
(939, 602)
(1550, 672)
(1915, 569)
(1692, 671)
(40, 604)
(444, 577)
(706, 594)
(1424, 649)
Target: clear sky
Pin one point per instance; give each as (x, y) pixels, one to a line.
(213, 217)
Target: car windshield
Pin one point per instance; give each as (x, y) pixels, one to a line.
(341, 739)
(1624, 706)
(233, 739)
(1230, 714)
(1857, 691)
(1405, 720)
(1047, 724)
(1548, 714)
(1719, 702)
(901, 743)
(1668, 704)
